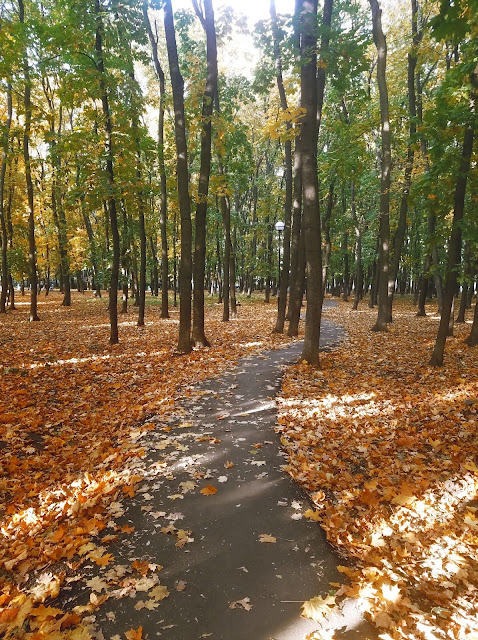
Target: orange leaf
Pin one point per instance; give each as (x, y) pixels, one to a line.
(134, 634)
(70, 620)
(104, 561)
(7, 615)
(208, 490)
(141, 567)
(127, 529)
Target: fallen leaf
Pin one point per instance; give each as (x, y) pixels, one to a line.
(208, 490)
(245, 603)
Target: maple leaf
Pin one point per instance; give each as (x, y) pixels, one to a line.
(318, 608)
(228, 465)
(70, 620)
(313, 515)
(141, 567)
(134, 634)
(126, 529)
(97, 584)
(159, 593)
(208, 490)
(48, 585)
(103, 561)
(43, 613)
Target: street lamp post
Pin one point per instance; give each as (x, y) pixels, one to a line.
(279, 228)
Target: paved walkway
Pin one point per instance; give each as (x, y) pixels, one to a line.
(224, 583)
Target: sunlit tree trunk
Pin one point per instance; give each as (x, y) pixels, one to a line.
(284, 274)
(207, 20)
(185, 271)
(32, 262)
(384, 311)
(310, 185)
(112, 209)
(163, 216)
(3, 221)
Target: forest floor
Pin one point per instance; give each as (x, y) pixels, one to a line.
(385, 444)
(387, 447)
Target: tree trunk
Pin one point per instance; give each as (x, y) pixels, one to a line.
(3, 221)
(464, 292)
(384, 309)
(326, 232)
(226, 218)
(454, 245)
(297, 293)
(310, 185)
(28, 178)
(358, 251)
(284, 275)
(295, 237)
(113, 219)
(472, 339)
(185, 270)
(163, 216)
(198, 334)
(62, 228)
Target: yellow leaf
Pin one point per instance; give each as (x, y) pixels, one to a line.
(312, 515)
(266, 537)
(318, 608)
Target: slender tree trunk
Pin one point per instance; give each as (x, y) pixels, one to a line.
(384, 309)
(454, 245)
(185, 271)
(295, 236)
(284, 276)
(310, 185)
(464, 292)
(11, 189)
(358, 251)
(163, 217)
(472, 339)
(62, 227)
(28, 178)
(3, 221)
(297, 293)
(232, 276)
(91, 242)
(112, 209)
(226, 288)
(326, 232)
(198, 334)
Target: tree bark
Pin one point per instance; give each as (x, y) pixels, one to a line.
(472, 339)
(358, 251)
(32, 262)
(3, 221)
(284, 276)
(310, 186)
(207, 20)
(454, 245)
(185, 270)
(407, 180)
(384, 309)
(163, 216)
(112, 209)
(464, 290)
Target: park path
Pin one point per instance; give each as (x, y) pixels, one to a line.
(227, 420)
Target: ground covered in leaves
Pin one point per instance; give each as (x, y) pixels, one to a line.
(387, 447)
(72, 410)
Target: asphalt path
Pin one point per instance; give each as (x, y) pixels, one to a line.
(224, 583)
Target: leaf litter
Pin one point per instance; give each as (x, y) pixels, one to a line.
(386, 446)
